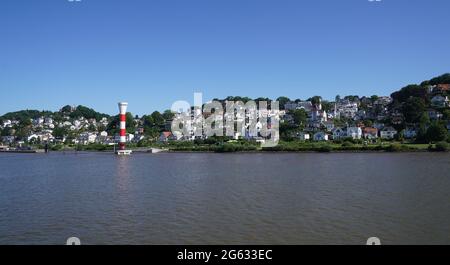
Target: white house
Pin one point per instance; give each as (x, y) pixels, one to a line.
(87, 138)
(320, 136)
(77, 123)
(130, 137)
(388, 133)
(102, 137)
(66, 124)
(4, 148)
(354, 132)
(39, 121)
(48, 120)
(32, 137)
(7, 123)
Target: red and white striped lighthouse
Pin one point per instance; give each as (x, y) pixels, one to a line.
(123, 137)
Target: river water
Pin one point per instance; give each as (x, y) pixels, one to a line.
(239, 198)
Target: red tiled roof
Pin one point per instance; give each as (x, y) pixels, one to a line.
(167, 134)
(370, 130)
(443, 87)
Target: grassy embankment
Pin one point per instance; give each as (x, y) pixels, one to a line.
(283, 146)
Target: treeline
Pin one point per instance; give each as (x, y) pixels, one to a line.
(78, 112)
(82, 111)
(413, 102)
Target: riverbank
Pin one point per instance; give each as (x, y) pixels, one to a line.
(23, 151)
(245, 147)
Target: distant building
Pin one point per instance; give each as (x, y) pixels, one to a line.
(7, 123)
(329, 125)
(354, 132)
(388, 133)
(434, 114)
(4, 148)
(165, 136)
(303, 136)
(346, 108)
(339, 133)
(440, 101)
(87, 138)
(370, 133)
(8, 139)
(441, 88)
(410, 133)
(320, 136)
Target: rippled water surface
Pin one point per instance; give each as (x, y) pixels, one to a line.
(198, 198)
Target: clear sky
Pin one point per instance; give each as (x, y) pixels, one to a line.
(153, 52)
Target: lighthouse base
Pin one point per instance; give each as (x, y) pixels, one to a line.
(123, 152)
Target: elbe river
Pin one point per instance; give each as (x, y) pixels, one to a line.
(238, 198)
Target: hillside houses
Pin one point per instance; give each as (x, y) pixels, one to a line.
(346, 108)
(375, 118)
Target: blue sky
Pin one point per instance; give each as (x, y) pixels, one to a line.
(153, 52)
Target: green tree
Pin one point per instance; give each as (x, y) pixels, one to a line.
(158, 119)
(7, 131)
(436, 132)
(88, 113)
(300, 117)
(22, 133)
(66, 109)
(168, 115)
(368, 123)
(315, 100)
(442, 79)
(148, 121)
(413, 109)
(282, 101)
(60, 132)
(374, 98)
(446, 114)
(409, 91)
(327, 106)
(352, 97)
(151, 128)
(92, 128)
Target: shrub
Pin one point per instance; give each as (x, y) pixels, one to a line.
(394, 148)
(347, 144)
(325, 148)
(441, 147)
(56, 147)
